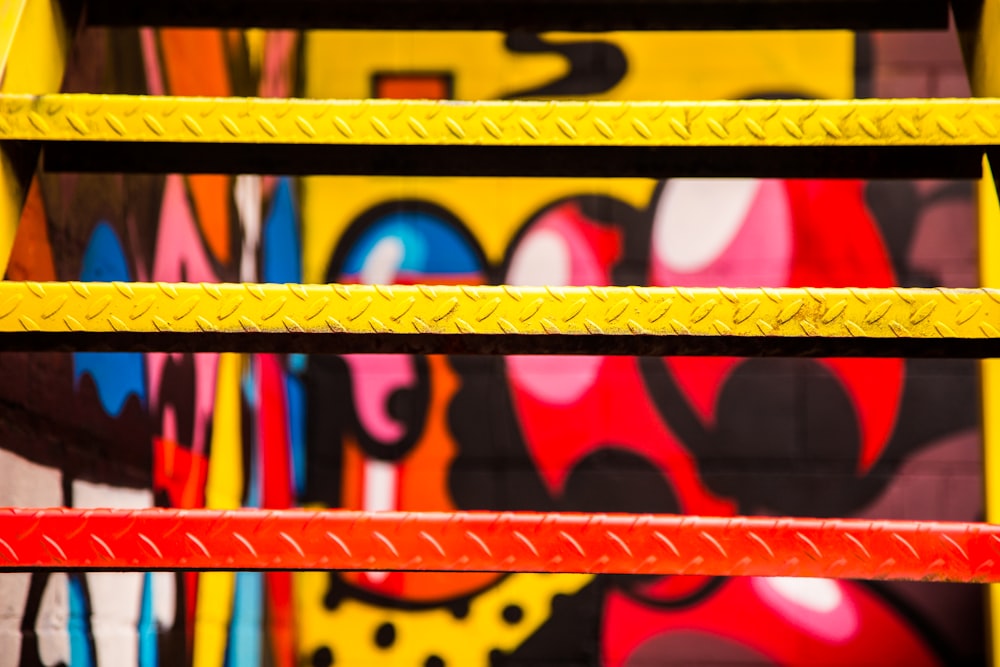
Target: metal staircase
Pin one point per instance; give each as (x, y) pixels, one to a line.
(870, 138)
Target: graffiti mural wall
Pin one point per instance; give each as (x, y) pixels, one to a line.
(867, 438)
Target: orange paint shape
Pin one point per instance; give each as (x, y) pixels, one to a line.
(423, 486)
(195, 63)
(210, 193)
(425, 469)
(31, 256)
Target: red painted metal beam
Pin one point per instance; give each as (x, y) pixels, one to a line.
(503, 542)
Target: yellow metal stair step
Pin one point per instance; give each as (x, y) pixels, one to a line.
(745, 123)
(342, 317)
(801, 137)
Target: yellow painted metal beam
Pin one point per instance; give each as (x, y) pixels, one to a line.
(979, 28)
(503, 309)
(989, 261)
(760, 123)
(119, 310)
(34, 43)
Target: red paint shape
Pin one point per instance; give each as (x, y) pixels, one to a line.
(838, 245)
(617, 412)
(190, 580)
(603, 241)
(281, 617)
(672, 588)
(180, 473)
(700, 379)
(274, 446)
(875, 387)
(273, 433)
(609, 405)
(413, 86)
(737, 613)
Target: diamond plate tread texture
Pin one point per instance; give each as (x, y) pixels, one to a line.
(755, 123)
(423, 309)
(501, 542)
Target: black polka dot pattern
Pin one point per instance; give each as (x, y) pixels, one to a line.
(513, 614)
(385, 636)
(323, 657)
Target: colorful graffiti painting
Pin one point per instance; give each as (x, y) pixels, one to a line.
(721, 436)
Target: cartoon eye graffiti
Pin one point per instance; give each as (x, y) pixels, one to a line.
(753, 233)
(391, 435)
(560, 248)
(405, 243)
(401, 246)
(595, 438)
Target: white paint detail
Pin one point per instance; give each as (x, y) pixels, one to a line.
(26, 484)
(383, 262)
(13, 597)
(52, 625)
(820, 596)
(697, 219)
(542, 259)
(165, 599)
(247, 192)
(380, 480)
(115, 598)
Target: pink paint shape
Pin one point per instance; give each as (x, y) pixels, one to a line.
(754, 250)
(180, 256)
(374, 378)
(818, 606)
(561, 248)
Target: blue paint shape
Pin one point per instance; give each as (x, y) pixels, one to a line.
(104, 259)
(117, 375)
(252, 492)
(295, 392)
(246, 627)
(81, 652)
(280, 250)
(249, 387)
(430, 245)
(148, 638)
(298, 363)
(281, 262)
